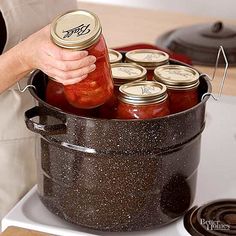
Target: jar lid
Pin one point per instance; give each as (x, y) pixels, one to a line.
(78, 29)
(127, 72)
(143, 92)
(149, 58)
(114, 56)
(176, 76)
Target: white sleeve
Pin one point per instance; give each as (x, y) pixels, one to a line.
(24, 17)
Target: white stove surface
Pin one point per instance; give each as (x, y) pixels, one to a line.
(216, 180)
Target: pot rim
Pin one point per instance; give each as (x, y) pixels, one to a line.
(204, 100)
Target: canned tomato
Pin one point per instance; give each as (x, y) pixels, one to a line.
(148, 58)
(182, 85)
(122, 73)
(114, 56)
(142, 100)
(79, 30)
(55, 96)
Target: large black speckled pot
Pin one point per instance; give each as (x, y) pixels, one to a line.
(116, 175)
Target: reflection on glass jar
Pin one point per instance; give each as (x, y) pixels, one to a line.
(66, 32)
(142, 100)
(182, 85)
(122, 73)
(148, 58)
(55, 97)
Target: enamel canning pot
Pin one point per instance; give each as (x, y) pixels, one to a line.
(116, 175)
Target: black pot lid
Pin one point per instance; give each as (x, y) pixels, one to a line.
(216, 218)
(201, 42)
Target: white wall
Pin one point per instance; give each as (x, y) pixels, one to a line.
(215, 8)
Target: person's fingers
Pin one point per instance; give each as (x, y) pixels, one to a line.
(64, 54)
(54, 72)
(70, 81)
(71, 65)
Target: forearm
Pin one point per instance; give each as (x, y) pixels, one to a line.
(11, 68)
(38, 52)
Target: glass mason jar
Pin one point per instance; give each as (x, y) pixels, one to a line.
(81, 30)
(148, 58)
(55, 97)
(182, 85)
(142, 100)
(122, 73)
(114, 56)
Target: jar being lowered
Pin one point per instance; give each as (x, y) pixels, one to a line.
(79, 30)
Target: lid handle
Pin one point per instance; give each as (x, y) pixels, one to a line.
(217, 27)
(218, 31)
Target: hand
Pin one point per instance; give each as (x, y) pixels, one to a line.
(65, 66)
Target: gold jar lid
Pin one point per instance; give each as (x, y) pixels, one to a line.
(114, 56)
(78, 30)
(177, 76)
(143, 92)
(148, 58)
(127, 72)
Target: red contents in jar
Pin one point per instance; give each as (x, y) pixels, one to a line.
(97, 88)
(55, 96)
(148, 111)
(182, 85)
(181, 100)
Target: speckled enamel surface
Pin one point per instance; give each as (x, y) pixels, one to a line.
(118, 175)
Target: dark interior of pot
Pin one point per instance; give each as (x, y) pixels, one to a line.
(117, 175)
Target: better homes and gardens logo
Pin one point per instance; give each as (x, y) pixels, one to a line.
(213, 225)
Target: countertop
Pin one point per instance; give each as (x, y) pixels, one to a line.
(124, 26)
(15, 231)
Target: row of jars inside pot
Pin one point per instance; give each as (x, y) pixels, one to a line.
(145, 86)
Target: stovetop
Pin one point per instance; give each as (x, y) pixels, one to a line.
(216, 180)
